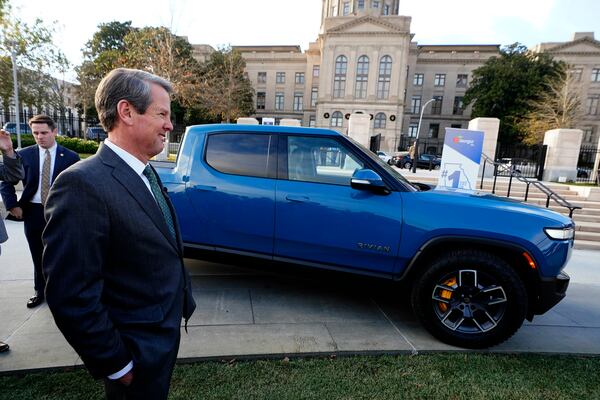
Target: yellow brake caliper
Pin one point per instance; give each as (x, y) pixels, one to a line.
(446, 294)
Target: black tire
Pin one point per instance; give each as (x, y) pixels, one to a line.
(407, 165)
(470, 299)
(436, 166)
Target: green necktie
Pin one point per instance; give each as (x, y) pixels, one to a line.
(160, 199)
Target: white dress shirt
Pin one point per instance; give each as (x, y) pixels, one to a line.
(37, 197)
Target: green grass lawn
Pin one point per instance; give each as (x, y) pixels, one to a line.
(428, 376)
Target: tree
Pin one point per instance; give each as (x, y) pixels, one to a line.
(558, 107)
(36, 56)
(226, 91)
(505, 86)
(102, 53)
(159, 51)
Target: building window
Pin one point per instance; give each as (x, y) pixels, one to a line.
(436, 106)
(588, 135)
(312, 121)
(458, 106)
(279, 100)
(336, 119)
(418, 79)
(576, 74)
(592, 105)
(339, 80)
(299, 78)
(434, 130)
(260, 100)
(439, 80)
(346, 9)
(375, 3)
(461, 80)
(379, 121)
(262, 77)
(385, 74)
(280, 77)
(415, 104)
(386, 9)
(314, 93)
(361, 4)
(457, 126)
(316, 70)
(334, 10)
(362, 77)
(298, 99)
(596, 75)
(412, 130)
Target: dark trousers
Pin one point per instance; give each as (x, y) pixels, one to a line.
(151, 378)
(33, 218)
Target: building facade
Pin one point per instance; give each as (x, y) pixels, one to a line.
(582, 54)
(364, 61)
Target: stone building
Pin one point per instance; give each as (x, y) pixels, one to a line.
(364, 61)
(582, 54)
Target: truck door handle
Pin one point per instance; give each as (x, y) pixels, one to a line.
(205, 188)
(297, 199)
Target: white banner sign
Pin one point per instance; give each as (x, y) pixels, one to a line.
(460, 158)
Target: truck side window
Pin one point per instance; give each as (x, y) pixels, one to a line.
(241, 154)
(320, 160)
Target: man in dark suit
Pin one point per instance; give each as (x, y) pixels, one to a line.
(42, 163)
(11, 170)
(116, 282)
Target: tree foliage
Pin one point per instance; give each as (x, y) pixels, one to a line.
(225, 89)
(505, 87)
(558, 107)
(102, 53)
(38, 61)
(214, 91)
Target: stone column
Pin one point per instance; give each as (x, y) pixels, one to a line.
(289, 122)
(490, 127)
(358, 128)
(562, 155)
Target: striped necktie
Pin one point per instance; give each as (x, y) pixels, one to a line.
(45, 177)
(160, 199)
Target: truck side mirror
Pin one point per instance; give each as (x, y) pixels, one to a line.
(367, 179)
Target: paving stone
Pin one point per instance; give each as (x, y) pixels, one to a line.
(367, 336)
(221, 307)
(259, 339)
(37, 351)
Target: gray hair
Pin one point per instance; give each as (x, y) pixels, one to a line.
(132, 85)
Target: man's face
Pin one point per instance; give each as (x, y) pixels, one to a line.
(152, 127)
(43, 135)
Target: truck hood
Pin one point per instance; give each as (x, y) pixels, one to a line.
(484, 199)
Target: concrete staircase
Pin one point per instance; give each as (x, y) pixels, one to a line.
(587, 219)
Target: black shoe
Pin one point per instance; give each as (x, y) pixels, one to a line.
(35, 301)
(3, 347)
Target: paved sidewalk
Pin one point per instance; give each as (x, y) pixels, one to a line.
(250, 313)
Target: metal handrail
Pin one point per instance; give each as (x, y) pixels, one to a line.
(550, 194)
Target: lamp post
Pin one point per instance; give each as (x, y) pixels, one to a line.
(414, 163)
(13, 58)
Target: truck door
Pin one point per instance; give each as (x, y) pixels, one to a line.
(321, 218)
(232, 189)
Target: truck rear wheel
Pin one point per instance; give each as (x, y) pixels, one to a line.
(470, 299)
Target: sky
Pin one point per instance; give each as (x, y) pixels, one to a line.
(296, 22)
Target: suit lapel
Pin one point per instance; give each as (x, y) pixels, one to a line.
(137, 189)
(60, 164)
(35, 176)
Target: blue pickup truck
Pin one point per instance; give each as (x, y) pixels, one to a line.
(477, 265)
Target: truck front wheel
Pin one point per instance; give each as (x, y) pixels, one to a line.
(470, 298)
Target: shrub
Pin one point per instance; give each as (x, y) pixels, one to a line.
(77, 145)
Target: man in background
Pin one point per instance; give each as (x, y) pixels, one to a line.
(42, 162)
(11, 170)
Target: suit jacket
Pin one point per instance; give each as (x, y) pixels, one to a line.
(11, 171)
(31, 163)
(116, 283)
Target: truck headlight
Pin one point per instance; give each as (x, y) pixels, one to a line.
(560, 233)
